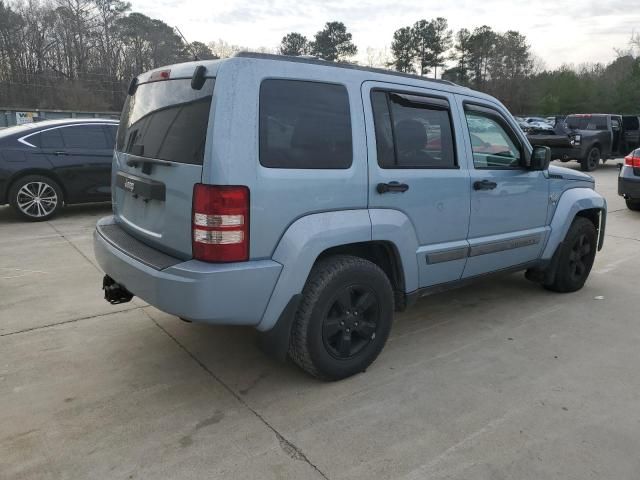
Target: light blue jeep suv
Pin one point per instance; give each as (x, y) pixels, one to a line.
(312, 199)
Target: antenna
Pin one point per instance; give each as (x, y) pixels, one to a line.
(195, 56)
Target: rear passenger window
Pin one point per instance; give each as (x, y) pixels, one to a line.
(87, 137)
(47, 139)
(412, 131)
(304, 125)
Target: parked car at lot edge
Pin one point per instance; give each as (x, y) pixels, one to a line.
(46, 165)
(534, 125)
(588, 138)
(631, 132)
(538, 122)
(629, 180)
(306, 198)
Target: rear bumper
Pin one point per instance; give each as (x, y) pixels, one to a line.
(225, 294)
(629, 183)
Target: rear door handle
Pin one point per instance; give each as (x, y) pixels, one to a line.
(60, 152)
(392, 187)
(484, 185)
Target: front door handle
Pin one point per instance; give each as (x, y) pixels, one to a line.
(59, 152)
(484, 185)
(392, 187)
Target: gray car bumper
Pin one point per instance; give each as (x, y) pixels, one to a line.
(629, 182)
(229, 294)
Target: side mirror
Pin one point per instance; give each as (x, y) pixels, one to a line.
(540, 158)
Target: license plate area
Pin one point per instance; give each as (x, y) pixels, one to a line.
(141, 187)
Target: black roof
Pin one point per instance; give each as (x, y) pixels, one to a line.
(349, 66)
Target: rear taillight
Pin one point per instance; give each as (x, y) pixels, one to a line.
(633, 159)
(220, 223)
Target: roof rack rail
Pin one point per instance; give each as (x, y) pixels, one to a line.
(349, 66)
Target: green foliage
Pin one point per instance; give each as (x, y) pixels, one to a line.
(201, 51)
(422, 38)
(294, 44)
(501, 64)
(333, 43)
(423, 47)
(461, 53)
(590, 89)
(402, 49)
(80, 54)
(441, 43)
(482, 46)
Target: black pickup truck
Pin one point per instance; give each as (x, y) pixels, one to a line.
(588, 138)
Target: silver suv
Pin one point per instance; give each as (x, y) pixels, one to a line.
(312, 199)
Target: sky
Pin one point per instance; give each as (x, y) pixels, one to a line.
(558, 31)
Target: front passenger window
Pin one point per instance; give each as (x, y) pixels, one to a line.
(492, 146)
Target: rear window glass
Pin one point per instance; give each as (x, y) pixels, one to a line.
(587, 122)
(304, 125)
(166, 120)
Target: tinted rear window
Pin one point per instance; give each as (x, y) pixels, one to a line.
(88, 137)
(588, 122)
(167, 120)
(304, 125)
(631, 123)
(47, 139)
(412, 134)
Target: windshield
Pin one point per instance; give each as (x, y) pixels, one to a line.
(587, 122)
(166, 120)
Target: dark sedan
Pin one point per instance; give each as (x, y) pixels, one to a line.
(46, 165)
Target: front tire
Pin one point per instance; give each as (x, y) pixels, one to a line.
(578, 251)
(344, 318)
(632, 204)
(36, 198)
(590, 162)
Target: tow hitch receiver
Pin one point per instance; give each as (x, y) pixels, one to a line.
(114, 293)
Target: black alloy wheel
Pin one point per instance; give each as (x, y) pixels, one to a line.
(591, 161)
(344, 317)
(580, 257)
(351, 322)
(575, 257)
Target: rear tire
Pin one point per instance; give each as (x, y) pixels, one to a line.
(36, 198)
(578, 251)
(590, 162)
(632, 204)
(344, 318)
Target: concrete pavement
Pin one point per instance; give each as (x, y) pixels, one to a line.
(501, 379)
